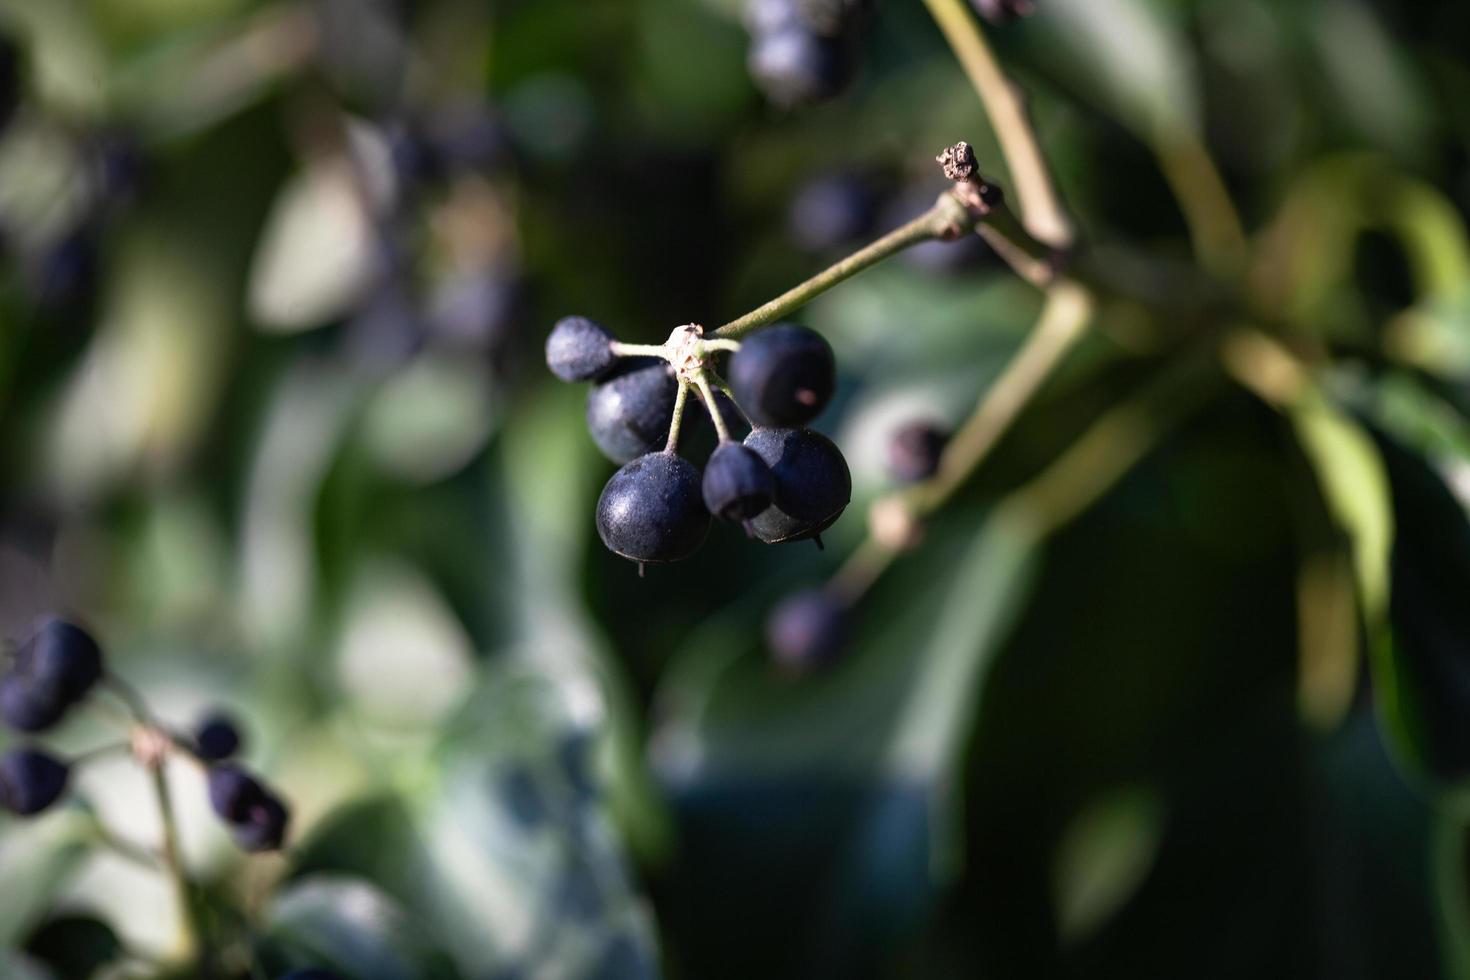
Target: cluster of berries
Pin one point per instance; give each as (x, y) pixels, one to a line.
(60, 254)
(783, 482)
(803, 51)
(55, 669)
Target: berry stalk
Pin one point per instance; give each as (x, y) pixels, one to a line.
(195, 946)
(1041, 208)
(944, 219)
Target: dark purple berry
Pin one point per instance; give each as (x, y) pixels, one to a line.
(30, 780)
(784, 375)
(795, 66)
(53, 669)
(813, 484)
(830, 212)
(630, 410)
(914, 451)
(231, 791)
(651, 509)
(217, 737)
(263, 827)
(25, 709)
(737, 483)
(808, 630)
(578, 349)
(256, 818)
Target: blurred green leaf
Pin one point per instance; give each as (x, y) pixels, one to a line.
(37, 861)
(1103, 856)
(350, 926)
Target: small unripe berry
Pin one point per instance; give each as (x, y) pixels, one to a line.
(630, 410)
(737, 483)
(30, 780)
(651, 510)
(783, 375)
(217, 737)
(808, 630)
(914, 451)
(579, 350)
(813, 483)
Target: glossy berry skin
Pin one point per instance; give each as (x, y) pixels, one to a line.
(629, 411)
(579, 350)
(652, 511)
(784, 375)
(813, 483)
(795, 66)
(914, 451)
(831, 211)
(808, 630)
(217, 737)
(256, 818)
(738, 484)
(30, 780)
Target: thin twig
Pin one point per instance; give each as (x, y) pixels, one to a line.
(714, 410)
(1063, 320)
(1041, 208)
(929, 225)
(1214, 224)
(677, 422)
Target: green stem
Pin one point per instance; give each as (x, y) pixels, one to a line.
(1214, 225)
(640, 350)
(1119, 439)
(714, 410)
(1042, 209)
(194, 933)
(678, 420)
(931, 224)
(1063, 320)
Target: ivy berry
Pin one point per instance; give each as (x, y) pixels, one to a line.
(808, 630)
(31, 780)
(783, 375)
(652, 510)
(256, 817)
(217, 737)
(813, 485)
(738, 484)
(54, 669)
(579, 350)
(630, 411)
(914, 451)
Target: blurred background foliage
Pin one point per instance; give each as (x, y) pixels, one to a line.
(273, 420)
